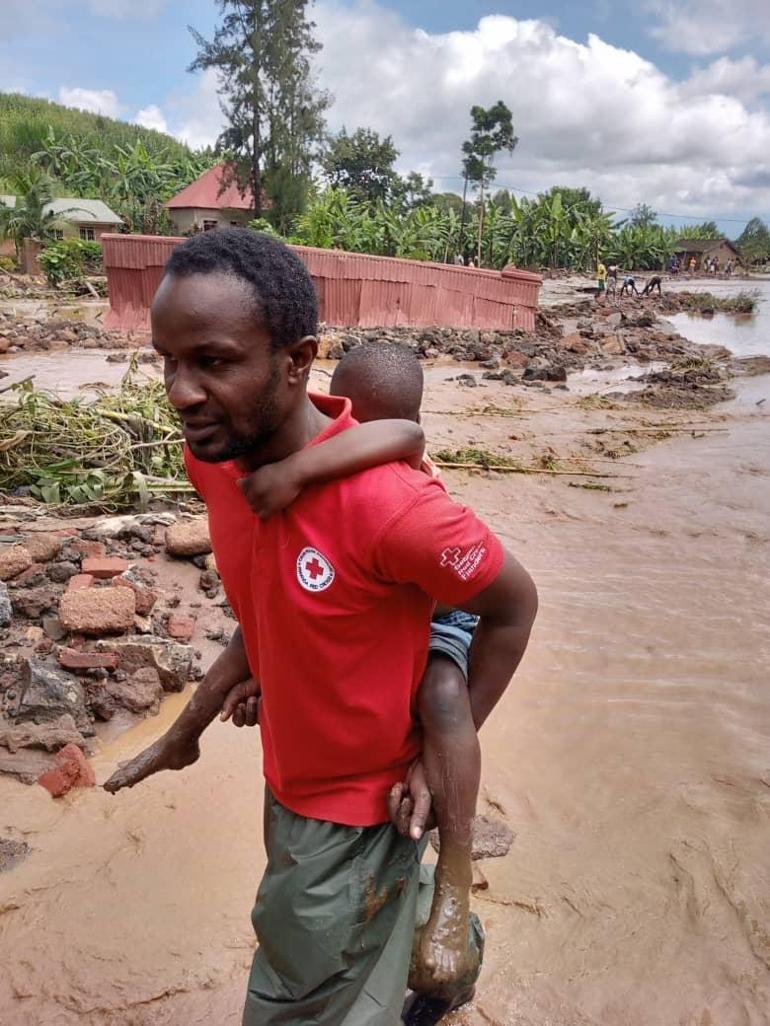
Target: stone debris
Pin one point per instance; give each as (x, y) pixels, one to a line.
(43, 547)
(97, 611)
(104, 567)
(140, 693)
(72, 769)
(172, 661)
(13, 561)
(188, 538)
(12, 853)
(492, 838)
(44, 694)
(6, 610)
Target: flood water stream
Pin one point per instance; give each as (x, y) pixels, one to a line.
(631, 757)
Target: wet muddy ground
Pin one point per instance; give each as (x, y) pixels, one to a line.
(630, 758)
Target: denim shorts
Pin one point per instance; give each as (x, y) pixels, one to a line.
(451, 635)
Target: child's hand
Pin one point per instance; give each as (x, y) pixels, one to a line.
(271, 488)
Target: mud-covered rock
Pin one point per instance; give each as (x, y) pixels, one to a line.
(141, 692)
(188, 538)
(6, 611)
(172, 661)
(44, 694)
(43, 547)
(33, 602)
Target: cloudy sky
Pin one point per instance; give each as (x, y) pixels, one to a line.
(662, 101)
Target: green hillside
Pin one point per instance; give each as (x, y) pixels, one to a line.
(26, 124)
(58, 151)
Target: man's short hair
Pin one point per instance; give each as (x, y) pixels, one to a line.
(285, 301)
(383, 380)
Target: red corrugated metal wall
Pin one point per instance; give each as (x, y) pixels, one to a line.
(353, 289)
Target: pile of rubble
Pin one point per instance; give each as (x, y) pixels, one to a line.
(18, 334)
(87, 635)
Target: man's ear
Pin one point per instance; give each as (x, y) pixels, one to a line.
(300, 355)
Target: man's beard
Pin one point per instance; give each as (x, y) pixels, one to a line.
(249, 442)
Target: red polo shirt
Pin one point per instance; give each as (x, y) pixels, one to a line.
(334, 598)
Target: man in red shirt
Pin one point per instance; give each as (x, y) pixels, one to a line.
(333, 599)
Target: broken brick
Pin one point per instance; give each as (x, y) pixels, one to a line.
(80, 581)
(104, 567)
(71, 659)
(180, 627)
(72, 770)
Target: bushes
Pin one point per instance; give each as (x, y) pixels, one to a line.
(7, 263)
(68, 261)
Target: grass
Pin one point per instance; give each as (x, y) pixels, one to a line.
(115, 452)
(743, 303)
(476, 457)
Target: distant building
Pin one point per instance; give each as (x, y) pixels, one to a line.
(79, 218)
(703, 249)
(205, 204)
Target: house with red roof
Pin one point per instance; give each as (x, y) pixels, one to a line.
(205, 203)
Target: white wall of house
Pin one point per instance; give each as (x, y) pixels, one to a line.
(184, 219)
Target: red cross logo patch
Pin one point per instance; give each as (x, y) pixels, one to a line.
(314, 571)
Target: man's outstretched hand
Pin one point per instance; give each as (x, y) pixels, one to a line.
(242, 703)
(409, 804)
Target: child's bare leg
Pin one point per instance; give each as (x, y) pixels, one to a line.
(179, 745)
(452, 763)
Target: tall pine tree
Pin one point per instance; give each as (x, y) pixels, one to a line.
(262, 53)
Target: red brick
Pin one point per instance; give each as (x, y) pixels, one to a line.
(88, 549)
(72, 770)
(145, 597)
(80, 581)
(97, 611)
(71, 659)
(104, 567)
(180, 627)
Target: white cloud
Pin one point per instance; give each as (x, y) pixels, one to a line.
(151, 117)
(98, 101)
(125, 9)
(199, 118)
(586, 113)
(745, 79)
(709, 26)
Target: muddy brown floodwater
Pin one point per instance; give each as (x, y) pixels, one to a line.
(630, 757)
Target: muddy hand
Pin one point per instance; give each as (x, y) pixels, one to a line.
(409, 804)
(242, 704)
(163, 754)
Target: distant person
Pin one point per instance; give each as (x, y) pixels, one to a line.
(729, 269)
(715, 264)
(693, 266)
(459, 262)
(601, 282)
(629, 286)
(471, 262)
(653, 283)
(673, 265)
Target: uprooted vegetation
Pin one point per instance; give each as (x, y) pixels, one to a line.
(706, 303)
(116, 452)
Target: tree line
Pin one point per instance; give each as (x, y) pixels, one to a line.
(310, 187)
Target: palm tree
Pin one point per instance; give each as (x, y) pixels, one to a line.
(29, 219)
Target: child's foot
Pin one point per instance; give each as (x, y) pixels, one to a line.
(444, 963)
(164, 754)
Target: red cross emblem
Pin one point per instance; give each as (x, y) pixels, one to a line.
(314, 568)
(314, 571)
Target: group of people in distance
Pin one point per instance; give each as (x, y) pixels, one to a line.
(711, 265)
(607, 283)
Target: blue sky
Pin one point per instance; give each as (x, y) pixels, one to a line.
(666, 103)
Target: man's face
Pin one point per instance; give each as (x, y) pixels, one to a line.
(220, 371)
